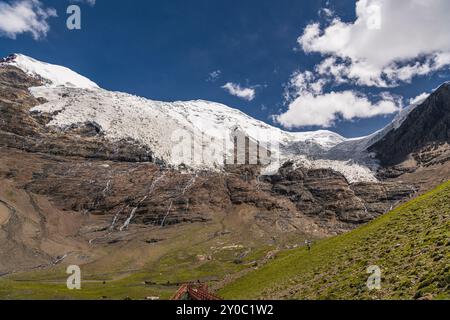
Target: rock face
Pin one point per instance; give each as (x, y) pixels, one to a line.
(85, 175)
(146, 194)
(326, 195)
(426, 128)
(122, 185)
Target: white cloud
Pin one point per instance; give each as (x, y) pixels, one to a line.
(389, 42)
(310, 106)
(25, 16)
(303, 82)
(240, 92)
(323, 110)
(326, 12)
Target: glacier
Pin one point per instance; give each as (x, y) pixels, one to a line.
(200, 130)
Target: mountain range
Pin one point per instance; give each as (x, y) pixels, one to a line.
(105, 179)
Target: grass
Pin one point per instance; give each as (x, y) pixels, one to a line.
(160, 281)
(161, 277)
(122, 289)
(163, 280)
(411, 245)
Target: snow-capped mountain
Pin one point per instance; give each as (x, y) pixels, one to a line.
(356, 148)
(53, 75)
(199, 134)
(82, 167)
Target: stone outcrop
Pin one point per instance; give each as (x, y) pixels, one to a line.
(327, 196)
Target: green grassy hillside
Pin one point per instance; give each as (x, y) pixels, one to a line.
(411, 245)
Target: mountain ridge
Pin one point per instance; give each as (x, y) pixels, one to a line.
(428, 123)
(75, 101)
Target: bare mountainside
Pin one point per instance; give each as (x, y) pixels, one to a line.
(92, 177)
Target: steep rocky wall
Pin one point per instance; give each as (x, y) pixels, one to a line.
(144, 193)
(427, 125)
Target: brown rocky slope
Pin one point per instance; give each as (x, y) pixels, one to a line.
(75, 191)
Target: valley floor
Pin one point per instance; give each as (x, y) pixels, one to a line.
(144, 262)
(411, 246)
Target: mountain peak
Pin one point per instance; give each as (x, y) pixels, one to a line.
(428, 124)
(9, 58)
(53, 75)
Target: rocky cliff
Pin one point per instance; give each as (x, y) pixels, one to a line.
(425, 130)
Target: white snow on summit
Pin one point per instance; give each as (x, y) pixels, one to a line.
(55, 75)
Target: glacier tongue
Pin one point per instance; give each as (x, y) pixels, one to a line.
(168, 128)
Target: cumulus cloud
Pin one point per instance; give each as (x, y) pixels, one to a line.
(388, 43)
(310, 106)
(240, 92)
(303, 82)
(25, 16)
(324, 109)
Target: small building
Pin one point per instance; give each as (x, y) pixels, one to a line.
(190, 291)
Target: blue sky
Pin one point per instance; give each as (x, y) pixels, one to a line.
(166, 50)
